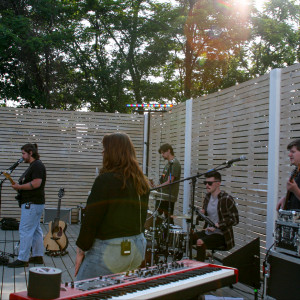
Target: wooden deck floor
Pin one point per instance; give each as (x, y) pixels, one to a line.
(16, 280)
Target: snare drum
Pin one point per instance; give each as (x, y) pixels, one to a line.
(176, 237)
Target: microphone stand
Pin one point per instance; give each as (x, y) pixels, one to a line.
(169, 213)
(192, 206)
(2, 254)
(1, 183)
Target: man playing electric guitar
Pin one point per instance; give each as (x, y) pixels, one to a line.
(292, 199)
(32, 199)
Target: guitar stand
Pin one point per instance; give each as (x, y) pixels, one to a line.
(56, 253)
(154, 231)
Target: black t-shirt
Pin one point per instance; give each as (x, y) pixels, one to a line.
(34, 171)
(112, 212)
(293, 201)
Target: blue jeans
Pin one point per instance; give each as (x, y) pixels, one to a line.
(31, 234)
(105, 257)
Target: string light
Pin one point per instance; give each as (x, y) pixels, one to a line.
(150, 105)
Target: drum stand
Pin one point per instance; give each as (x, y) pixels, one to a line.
(153, 250)
(187, 241)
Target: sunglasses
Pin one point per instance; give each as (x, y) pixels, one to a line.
(209, 182)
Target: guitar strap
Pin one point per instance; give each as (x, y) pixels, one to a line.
(290, 196)
(21, 179)
(25, 173)
(164, 174)
(294, 174)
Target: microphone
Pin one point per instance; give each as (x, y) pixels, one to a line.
(171, 161)
(16, 164)
(230, 162)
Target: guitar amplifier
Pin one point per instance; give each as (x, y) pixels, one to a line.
(50, 213)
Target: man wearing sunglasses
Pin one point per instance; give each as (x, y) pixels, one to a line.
(220, 208)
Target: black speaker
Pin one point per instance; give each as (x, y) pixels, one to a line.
(283, 281)
(247, 261)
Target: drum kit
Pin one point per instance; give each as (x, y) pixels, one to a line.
(164, 240)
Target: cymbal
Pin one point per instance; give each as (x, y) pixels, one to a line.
(181, 217)
(157, 194)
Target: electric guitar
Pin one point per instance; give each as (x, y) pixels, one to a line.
(56, 239)
(7, 175)
(205, 218)
(18, 197)
(293, 175)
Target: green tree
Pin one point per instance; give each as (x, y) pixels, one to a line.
(127, 45)
(213, 37)
(101, 53)
(32, 66)
(276, 35)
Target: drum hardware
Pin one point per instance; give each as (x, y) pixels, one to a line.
(152, 249)
(187, 239)
(152, 233)
(292, 216)
(287, 238)
(156, 236)
(150, 218)
(177, 242)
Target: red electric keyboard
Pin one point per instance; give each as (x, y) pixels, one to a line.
(177, 280)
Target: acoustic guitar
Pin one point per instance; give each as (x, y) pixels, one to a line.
(288, 194)
(56, 239)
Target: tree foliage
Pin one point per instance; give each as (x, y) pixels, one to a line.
(104, 54)
(276, 36)
(214, 32)
(126, 43)
(65, 54)
(33, 69)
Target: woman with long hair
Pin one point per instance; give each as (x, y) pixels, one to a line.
(111, 238)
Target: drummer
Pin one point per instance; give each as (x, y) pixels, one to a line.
(171, 173)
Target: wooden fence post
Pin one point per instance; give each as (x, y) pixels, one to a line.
(273, 153)
(187, 157)
(145, 145)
